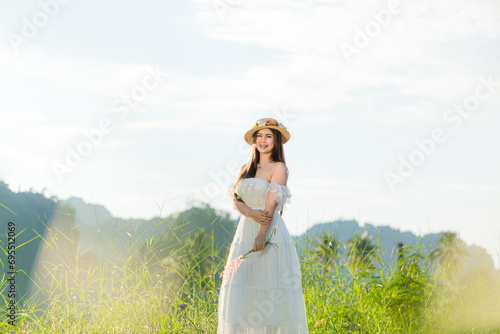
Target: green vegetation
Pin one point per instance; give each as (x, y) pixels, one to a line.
(168, 282)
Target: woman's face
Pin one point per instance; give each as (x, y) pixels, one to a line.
(264, 141)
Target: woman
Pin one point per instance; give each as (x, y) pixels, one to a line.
(264, 295)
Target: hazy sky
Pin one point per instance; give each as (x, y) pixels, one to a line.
(392, 106)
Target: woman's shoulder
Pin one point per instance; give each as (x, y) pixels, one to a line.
(280, 166)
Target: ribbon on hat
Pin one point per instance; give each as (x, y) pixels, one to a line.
(269, 122)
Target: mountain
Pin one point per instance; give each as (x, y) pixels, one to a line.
(28, 213)
(97, 225)
(386, 236)
(101, 232)
(87, 214)
(73, 224)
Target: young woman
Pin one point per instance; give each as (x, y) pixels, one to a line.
(264, 295)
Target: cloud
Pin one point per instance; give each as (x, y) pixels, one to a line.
(116, 144)
(295, 26)
(161, 124)
(469, 187)
(411, 57)
(36, 69)
(20, 117)
(329, 186)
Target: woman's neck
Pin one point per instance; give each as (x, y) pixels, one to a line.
(264, 158)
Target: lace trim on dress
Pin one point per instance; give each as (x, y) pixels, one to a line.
(278, 192)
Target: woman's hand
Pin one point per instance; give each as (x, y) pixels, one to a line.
(261, 216)
(259, 243)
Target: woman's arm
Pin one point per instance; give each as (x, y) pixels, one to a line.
(260, 216)
(270, 207)
(279, 176)
(241, 207)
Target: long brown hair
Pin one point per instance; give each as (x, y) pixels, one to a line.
(277, 155)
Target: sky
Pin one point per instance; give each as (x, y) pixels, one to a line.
(392, 106)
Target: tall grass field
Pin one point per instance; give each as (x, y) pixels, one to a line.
(170, 284)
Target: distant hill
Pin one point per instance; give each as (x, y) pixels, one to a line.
(90, 217)
(88, 214)
(386, 236)
(96, 225)
(93, 228)
(29, 212)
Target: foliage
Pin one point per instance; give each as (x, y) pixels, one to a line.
(451, 255)
(327, 249)
(169, 284)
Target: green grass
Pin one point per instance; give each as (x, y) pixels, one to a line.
(165, 288)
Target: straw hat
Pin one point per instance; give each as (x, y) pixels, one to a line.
(267, 123)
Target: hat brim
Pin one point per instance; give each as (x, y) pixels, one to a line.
(285, 135)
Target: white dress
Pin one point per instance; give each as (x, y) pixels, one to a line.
(265, 293)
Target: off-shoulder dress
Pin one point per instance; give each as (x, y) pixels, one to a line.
(265, 293)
